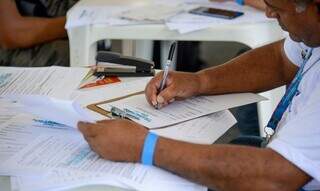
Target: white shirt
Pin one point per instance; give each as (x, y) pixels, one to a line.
(297, 137)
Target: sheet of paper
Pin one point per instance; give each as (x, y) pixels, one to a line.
(111, 15)
(153, 12)
(62, 180)
(165, 10)
(64, 112)
(203, 130)
(95, 95)
(71, 153)
(106, 15)
(186, 22)
(58, 82)
(8, 110)
(17, 132)
(179, 111)
(137, 12)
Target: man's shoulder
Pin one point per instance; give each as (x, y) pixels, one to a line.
(293, 51)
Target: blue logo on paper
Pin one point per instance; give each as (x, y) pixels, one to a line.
(50, 124)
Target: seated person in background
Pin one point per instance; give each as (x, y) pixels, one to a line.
(32, 32)
(291, 158)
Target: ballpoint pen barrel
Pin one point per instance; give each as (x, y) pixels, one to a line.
(166, 69)
(165, 75)
(171, 51)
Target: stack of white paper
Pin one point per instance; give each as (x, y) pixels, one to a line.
(47, 158)
(172, 13)
(187, 22)
(157, 13)
(43, 155)
(58, 82)
(107, 15)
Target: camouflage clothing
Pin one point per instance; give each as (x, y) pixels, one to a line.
(48, 54)
(54, 53)
(44, 8)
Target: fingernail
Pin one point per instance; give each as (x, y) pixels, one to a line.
(154, 102)
(172, 100)
(160, 99)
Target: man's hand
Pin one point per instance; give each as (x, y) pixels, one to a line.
(179, 85)
(116, 140)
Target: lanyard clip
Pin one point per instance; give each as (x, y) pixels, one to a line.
(269, 133)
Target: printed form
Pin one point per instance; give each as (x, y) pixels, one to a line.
(19, 131)
(179, 111)
(66, 152)
(58, 82)
(203, 130)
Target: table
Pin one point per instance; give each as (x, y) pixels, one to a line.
(83, 39)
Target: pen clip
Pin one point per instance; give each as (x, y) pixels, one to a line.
(124, 114)
(117, 112)
(171, 51)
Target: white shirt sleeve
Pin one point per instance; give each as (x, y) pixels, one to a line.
(293, 51)
(299, 140)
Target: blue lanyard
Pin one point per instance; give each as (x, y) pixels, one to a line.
(286, 99)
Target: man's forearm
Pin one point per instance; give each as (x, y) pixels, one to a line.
(32, 31)
(258, 70)
(224, 167)
(18, 31)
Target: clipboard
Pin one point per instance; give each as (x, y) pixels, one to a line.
(95, 107)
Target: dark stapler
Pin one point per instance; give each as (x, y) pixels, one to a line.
(115, 64)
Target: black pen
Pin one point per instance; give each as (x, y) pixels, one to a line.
(166, 68)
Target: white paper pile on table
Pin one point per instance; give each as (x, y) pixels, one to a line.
(187, 22)
(58, 82)
(40, 153)
(95, 15)
(153, 13)
(45, 157)
(174, 14)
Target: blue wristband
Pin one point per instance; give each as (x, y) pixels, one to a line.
(150, 143)
(240, 2)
